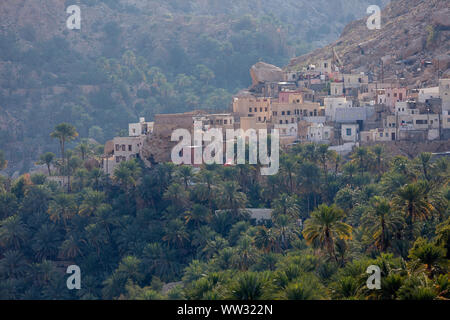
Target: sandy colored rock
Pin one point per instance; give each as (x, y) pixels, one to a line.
(262, 72)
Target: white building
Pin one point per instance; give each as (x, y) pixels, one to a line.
(318, 132)
(141, 128)
(428, 93)
(332, 103)
(350, 132)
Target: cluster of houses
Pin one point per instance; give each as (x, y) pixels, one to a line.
(316, 104)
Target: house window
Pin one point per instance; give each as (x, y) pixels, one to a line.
(349, 132)
(124, 147)
(249, 109)
(117, 147)
(225, 121)
(130, 147)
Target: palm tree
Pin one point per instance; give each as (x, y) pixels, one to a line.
(425, 163)
(412, 200)
(249, 286)
(350, 170)
(84, 149)
(325, 226)
(325, 155)
(65, 133)
(231, 198)
(197, 215)
(378, 151)
(285, 231)
(13, 264)
(45, 242)
(288, 168)
(47, 159)
(382, 222)
(71, 248)
(62, 208)
(96, 175)
(185, 173)
(177, 195)
(127, 174)
(176, 234)
(429, 254)
(361, 156)
(286, 205)
(213, 247)
(13, 233)
(91, 202)
(245, 253)
(266, 240)
(309, 180)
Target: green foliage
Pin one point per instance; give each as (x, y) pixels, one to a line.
(171, 232)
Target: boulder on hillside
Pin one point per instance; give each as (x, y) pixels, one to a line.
(414, 47)
(442, 62)
(264, 72)
(440, 18)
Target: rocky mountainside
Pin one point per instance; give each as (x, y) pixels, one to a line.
(414, 34)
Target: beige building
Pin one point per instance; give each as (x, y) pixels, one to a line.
(324, 66)
(165, 124)
(378, 135)
(223, 121)
(355, 80)
(337, 88)
(121, 149)
(250, 106)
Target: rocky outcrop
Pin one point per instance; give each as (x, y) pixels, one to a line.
(264, 72)
(412, 33)
(156, 149)
(442, 18)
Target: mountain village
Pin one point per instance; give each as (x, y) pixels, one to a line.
(317, 104)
